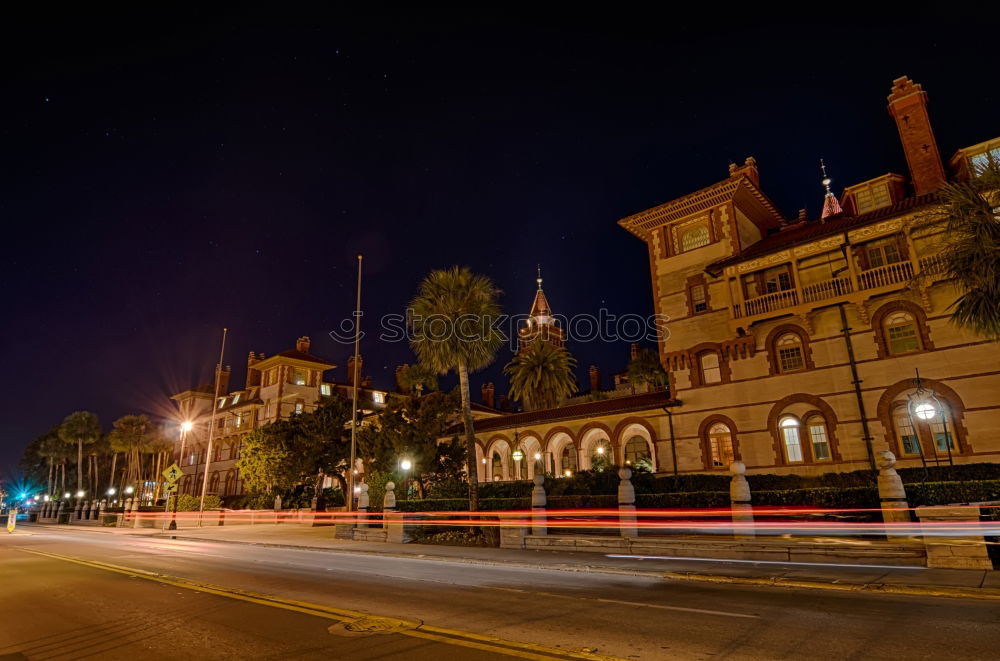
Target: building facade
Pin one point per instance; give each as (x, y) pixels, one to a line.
(794, 344)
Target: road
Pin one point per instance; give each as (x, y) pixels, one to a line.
(83, 595)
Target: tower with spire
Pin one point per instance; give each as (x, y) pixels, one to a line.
(540, 324)
(831, 205)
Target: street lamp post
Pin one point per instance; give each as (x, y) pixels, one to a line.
(185, 428)
(406, 465)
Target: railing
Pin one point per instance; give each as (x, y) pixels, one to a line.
(932, 264)
(883, 276)
(770, 302)
(832, 288)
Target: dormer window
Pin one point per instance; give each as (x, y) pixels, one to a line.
(871, 198)
(695, 237)
(236, 398)
(981, 161)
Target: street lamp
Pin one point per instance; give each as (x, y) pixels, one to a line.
(79, 494)
(518, 455)
(67, 495)
(111, 491)
(924, 405)
(129, 489)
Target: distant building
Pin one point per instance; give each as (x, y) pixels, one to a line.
(277, 387)
(793, 343)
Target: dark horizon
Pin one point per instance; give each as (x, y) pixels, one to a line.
(167, 176)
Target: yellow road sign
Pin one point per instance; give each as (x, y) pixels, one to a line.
(11, 519)
(173, 473)
(171, 488)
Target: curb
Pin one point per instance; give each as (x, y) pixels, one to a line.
(885, 588)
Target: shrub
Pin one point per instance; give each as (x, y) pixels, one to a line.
(946, 493)
(188, 503)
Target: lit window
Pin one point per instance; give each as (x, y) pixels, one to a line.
(696, 237)
(298, 407)
(267, 409)
(325, 389)
(699, 301)
(222, 402)
(907, 438)
(883, 252)
(942, 439)
(818, 438)
(790, 435)
(299, 377)
(239, 420)
(236, 398)
(901, 333)
(710, 371)
(378, 397)
(720, 442)
(871, 198)
(789, 348)
(637, 451)
(981, 161)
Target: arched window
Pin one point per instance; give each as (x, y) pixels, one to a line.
(789, 350)
(230, 487)
(710, 371)
(497, 467)
(696, 237)
(213, 483)
(720, 446)
(637, 452)
(901, 334)
(905, 433)
(818, 438)
(567, 461)
(601, 452)
(792, 439)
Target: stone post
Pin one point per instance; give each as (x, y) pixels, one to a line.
(103, 509)
(393, 521)
(362, 506)
(136, 521)
(78, 510)
(626, 504)
(389, 504)
(94, 507)
(739, 498)
(959, 550)
(538, 502)
(62, 508)
(891, 492)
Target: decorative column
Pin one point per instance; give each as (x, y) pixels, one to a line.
(895, 509)
(626, 504)
(538, 502)
(739, 498)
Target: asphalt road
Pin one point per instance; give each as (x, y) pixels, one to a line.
(52, 608)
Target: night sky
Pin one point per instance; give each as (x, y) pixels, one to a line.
(166, 175)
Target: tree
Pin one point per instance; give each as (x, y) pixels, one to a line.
(263, 462)
(327, 449)
(132, 435)
(53, 450)
(541, 375)
(971, 212)
(80, 428)
(452, 319)
(414, 378)
(409, 427)
(645, 369)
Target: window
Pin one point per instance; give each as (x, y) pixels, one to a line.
(790, 436)
(378, 397)
(236, 398)
(883, 252)
(981, 161)
(497, 467)
(267, 409)
(818, 438)
(299, 377)
(699, 300)
(720, 446)
(637, 451)
(191, 460)
(324, 389)
(710, 371)
(777, 279)
(904, 431)
(298, 408)
(222, 402)
(874, 197)
(901, 333)
(789, 347)
(942, 439)
(696, 237)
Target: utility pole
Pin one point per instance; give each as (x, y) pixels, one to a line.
(211, 425)
(354, 397)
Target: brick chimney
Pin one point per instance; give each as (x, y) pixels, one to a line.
(350, 370)
(253, 376)
(634, 351)
(223, 383)
(302, 344)
(749, 168)
(595, 378)
(504, 403)
(488, 398)
(399, 379)
(908, 106)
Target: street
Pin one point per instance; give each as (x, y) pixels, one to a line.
(77, 595)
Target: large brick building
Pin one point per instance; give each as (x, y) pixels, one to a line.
(793, 344)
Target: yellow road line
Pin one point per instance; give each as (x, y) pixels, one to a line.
(413, 629)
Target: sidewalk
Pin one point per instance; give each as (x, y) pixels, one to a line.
(893, 580)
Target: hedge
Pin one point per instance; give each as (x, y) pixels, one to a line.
(943, 493)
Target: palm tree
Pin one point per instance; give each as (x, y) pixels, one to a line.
(645, 369)
(52, 449)
(131, 435)
(972, 252)
(453, 318)
(541, 375)
(81, 427)
(417, 377)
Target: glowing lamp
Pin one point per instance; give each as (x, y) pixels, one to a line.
(600, 449)
(79, 494)
(518, 454)
(406, 465)
(186, 426)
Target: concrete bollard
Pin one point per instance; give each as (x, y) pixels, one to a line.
(94, 507)
(59, 512)
(389, 503)
(78, 510)
(960, 551)
(393, 521)
(538, 502)
(362, 506)
(891, 493)
(626, 504)
(739, 499)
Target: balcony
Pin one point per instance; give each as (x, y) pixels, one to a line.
(884, 277)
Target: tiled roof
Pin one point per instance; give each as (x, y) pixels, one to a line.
(302, 355)
(814, 229)
(640, 402)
